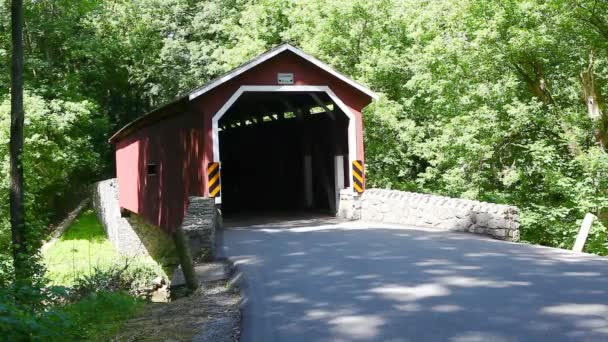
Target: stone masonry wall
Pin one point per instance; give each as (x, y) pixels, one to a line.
(119, 230)
(130, 236)
(199, 225)
(430, 211)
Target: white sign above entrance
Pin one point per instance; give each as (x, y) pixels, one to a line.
(285, 78)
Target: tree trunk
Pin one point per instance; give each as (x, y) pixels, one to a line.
(182, 246)
(23, 269)
(536, 83)
(595, 104)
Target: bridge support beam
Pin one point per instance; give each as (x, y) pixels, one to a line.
(308, 189)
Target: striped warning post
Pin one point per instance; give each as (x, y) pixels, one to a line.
(358, 176)
(213, 170)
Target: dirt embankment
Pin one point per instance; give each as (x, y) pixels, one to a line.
(209, 314)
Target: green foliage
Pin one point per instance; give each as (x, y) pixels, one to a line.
(103, 290)
(389, 134)
(480, 100)
(60, 160)
(485, 128)
(97, 317)
(23, 321)
(84, 260)
(132, 276)
(91, 291)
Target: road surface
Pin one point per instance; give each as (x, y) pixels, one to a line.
(330, 280)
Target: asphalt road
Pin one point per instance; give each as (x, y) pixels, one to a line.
(327, 280)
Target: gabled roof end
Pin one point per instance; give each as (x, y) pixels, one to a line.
(270, 54)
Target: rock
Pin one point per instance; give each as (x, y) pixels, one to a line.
(206, 272)
(161, 295)
(500, 232)
(482, 219)
(158, 281)
(514, 235)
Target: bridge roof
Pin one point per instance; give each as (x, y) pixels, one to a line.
(159, 112)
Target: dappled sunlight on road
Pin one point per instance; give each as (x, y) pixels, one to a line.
(356, 327)
(413, 293)
(577, 309)
(330, 280)
(478, 282)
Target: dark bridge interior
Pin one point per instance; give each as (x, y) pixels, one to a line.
(278, 151)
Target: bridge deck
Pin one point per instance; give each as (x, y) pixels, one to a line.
(325, 279)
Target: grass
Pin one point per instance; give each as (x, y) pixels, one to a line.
(96, 317)
(83, 247)
(99, 316)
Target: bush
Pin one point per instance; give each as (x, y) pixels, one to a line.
(60, 159)
(96, 317)
(99, 315)
(23, 314)
(134, 278)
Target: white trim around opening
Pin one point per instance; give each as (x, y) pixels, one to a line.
(352, 138)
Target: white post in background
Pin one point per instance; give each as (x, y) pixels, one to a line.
(308, 181)
(339, 180)
(581, 238)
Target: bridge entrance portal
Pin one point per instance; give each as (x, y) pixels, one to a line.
(282, 151)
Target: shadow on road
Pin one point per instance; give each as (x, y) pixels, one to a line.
(319, 279)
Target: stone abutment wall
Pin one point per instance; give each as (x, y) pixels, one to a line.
(133, 236)
(199, 225)
(431, 211)
(120, 231)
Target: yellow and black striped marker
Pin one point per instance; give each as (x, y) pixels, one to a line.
(213, 170)
(358, 176)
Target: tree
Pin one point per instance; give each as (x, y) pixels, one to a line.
(23, 270)
(502, 101)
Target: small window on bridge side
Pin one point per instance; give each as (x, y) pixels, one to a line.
(151, 170)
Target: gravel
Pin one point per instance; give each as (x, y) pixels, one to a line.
(211, 313)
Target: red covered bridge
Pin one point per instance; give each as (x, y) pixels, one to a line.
(285, 128)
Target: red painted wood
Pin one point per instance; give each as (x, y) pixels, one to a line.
(181, 146)
(175, 146)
